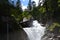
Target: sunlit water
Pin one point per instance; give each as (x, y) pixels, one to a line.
(36, 31)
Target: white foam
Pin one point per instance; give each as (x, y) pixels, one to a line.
(35, 32)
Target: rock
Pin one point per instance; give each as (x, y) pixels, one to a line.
(26, 22)
(15, 35)
(8, 30)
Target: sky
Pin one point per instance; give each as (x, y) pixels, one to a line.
(25, 3)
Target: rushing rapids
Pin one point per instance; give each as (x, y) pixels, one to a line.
(36, 31)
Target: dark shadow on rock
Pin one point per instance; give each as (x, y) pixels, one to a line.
(14, 35)
(10, 30)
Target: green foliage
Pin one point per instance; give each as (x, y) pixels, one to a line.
(58, 3)
(16, 12)
(48, 11)
(51, 28)
(42, 10)
(26, 14)
(52, 13)
(36, 14)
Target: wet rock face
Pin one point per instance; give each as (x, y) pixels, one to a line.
(8, 30)
(56, 30)
(7, 22)
(51, 36)
(26, 24)
(15, 35)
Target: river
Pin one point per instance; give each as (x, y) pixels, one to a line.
(36, 31)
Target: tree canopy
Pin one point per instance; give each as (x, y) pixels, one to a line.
(50, 10)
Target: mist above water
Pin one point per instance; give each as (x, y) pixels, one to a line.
(36, 31)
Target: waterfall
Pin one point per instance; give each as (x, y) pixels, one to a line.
(36, 31)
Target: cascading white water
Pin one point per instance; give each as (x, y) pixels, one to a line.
(36, 31)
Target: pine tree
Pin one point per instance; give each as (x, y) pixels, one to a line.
(19, 7)
(29, 6)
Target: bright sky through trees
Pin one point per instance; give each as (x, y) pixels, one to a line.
(25, 3)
